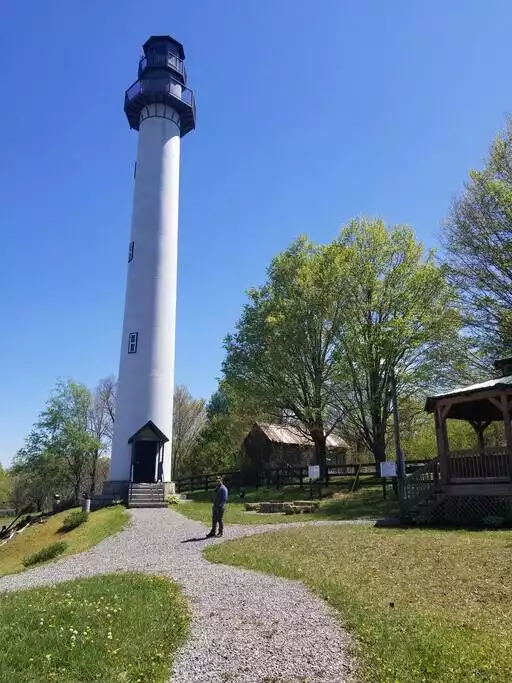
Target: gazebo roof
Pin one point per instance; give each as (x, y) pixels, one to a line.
(476, 407)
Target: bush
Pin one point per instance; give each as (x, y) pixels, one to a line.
(173, 499)
(493, 521)
(73, 520)
(46, 553)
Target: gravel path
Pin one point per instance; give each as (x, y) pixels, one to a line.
(246, 627)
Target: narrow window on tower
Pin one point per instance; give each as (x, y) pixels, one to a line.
(133, 338)
(130, 251)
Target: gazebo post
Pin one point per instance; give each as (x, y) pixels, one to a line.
(480, 438)
(508, 431)
(441, 444)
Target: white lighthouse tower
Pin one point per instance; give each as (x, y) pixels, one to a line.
(162, 109)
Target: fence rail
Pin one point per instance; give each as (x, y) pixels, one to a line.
(290, 476)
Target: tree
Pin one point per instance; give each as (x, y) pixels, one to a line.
(64, 425)
(58, 453)
(5, 486)
(478, 241)
(38, 473)
(229, 417)
(189, 417)
(399, 316)
(101, 425)
(284, 351)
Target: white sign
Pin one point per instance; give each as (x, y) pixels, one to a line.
(388, 468)
(314, 471)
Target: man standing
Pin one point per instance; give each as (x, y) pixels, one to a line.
(219, 505)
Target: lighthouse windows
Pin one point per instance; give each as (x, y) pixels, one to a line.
(130, 251)
(133, 338)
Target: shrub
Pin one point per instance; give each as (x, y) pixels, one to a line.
(173, 499)
(73, 520)
(493, 521)
(46, 553)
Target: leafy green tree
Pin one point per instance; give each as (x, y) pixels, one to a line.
(283, 354)
(5, 486)
(64, 425)
(37, 473)
(399, 316)
(59, 452)
(229, 418)
(478, 241)
(320, 340)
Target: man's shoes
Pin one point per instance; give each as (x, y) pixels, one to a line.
(220, 534)
(210, 535)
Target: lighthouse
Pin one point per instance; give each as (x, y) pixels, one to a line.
(161, 108)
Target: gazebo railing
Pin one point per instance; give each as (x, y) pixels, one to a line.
(492, 463)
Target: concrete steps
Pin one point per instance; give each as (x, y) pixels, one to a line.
(146, 496)
(147, 504)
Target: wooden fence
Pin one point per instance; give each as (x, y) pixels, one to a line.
(366, 475)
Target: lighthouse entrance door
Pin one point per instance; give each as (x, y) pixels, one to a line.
(147, 454)
(144, 461)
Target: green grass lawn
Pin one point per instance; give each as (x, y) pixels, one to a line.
(425, 606)
(100, 524)
(363, 504)
(113, 628)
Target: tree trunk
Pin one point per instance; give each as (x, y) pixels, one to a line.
(77, 492)
(94, 471)
(320, 441)
(379, 449)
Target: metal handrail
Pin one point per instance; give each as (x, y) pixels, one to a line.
(169, 86)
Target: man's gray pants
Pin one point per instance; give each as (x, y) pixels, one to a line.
(218, 518)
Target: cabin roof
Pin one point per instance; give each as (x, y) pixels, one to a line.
(294, 436)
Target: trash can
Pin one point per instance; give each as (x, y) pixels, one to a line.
(86, 504)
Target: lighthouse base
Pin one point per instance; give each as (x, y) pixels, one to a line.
(126, 492)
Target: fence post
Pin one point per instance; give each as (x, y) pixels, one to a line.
(327, 476)
(277, 479)
(206, 482)
(301, 480)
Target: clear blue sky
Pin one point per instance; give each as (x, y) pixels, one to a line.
(308, 114)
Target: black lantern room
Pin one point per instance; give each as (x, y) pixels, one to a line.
(162, 80)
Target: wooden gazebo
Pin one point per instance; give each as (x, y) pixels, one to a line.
(468, 485)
